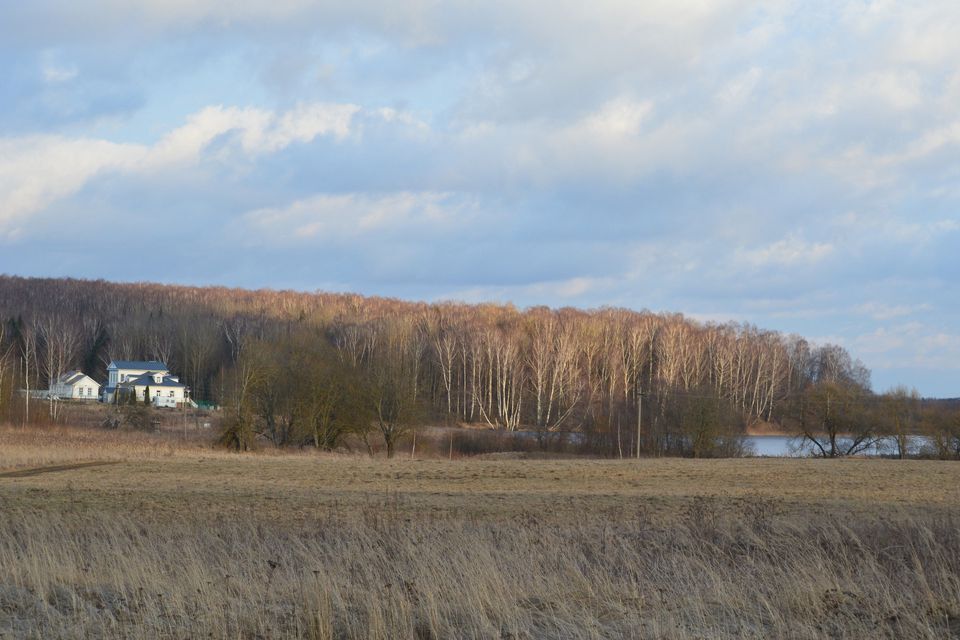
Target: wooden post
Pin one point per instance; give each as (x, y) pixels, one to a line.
(619, 443)
(639, 418)
(26, 410)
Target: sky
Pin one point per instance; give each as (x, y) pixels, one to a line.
(793, 165)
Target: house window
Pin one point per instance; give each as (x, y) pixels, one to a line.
(171, 394)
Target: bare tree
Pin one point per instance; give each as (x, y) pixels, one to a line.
(7, 349)
(392, 387)
(901, 413)
(60, 341)
(942, 423)
(834, 419)
(28, 358)
(238, 425)
(446, 352)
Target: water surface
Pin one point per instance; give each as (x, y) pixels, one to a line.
(788, 446)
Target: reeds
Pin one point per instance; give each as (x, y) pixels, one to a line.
(379, 573)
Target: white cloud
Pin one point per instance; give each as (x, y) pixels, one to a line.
(391, 115)
(884, 340)
(740, 88)
(617, 119)
(188, 12)
(899, 89)
(543, 292)
(937, 350)
(36, 171)
(642, 124)
(54, 70)
(55, 74)
(537, 18)
(911, 344)
(257, 130)
(932, 141)
(909, 233)
(621, 141)
(327, 217)
(883, 311)
(790, 251)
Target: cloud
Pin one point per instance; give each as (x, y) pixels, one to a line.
(658, 19)
(54, 70)
(732, 159)
(36, 171)
(910, 345)
(543, 292)
(790, 251)
(617, 119)
(881, 311)
(255, 130)
(901, 90)
(884, 340)
(335, 217)
(739, 89)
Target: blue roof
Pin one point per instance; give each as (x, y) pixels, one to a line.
(147, 380)
(147, 365)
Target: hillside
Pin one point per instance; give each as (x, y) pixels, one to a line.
(318, 358)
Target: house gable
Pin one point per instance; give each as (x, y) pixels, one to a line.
(76, 385)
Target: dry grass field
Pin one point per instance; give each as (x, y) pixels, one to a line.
(174, 539)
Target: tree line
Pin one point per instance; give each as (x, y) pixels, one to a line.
(295, 368)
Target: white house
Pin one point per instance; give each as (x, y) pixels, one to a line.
(75, 385)
(141, 378)
(119, 371)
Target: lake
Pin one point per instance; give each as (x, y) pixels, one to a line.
(787, 446)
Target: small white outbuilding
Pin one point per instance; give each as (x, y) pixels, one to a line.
(75, 385)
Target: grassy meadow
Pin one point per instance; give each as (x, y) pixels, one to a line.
(173, 539)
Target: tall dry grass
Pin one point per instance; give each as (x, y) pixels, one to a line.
(35, 446)
(379, 573)
(186, 542)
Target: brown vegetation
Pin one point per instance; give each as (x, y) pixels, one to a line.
(177, 540)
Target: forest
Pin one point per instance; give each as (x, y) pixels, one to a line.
(309, 369)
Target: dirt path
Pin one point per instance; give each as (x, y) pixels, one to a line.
(35, 471)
